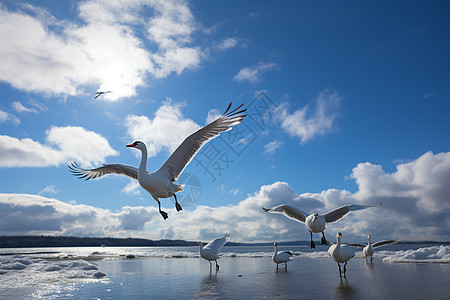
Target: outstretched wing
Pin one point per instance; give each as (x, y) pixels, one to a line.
(341, 212)
(118, 169)
(288, 211)
(382, 243)
(355, 245)
(218, 243)
(183, 155)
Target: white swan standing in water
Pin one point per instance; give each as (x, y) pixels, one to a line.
(280, 257)
(210, 251)
(315, 223)
(368, 249)
(160, 184)
(341, 253)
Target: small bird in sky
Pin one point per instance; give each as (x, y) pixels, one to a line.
(98, 94)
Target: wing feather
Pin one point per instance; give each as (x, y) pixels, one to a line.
(218, 243)
(341, 212)
(183, 155)
(382, 243)
(118, 169)
(288, 211)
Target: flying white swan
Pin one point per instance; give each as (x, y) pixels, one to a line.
(341, 253)
(368, 249)
(280, 257)
(211, 250)
(98, 94)
(160, 184)
(315, 223)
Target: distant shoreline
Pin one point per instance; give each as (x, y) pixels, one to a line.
(33, 241)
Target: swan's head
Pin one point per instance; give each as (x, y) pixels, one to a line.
(275, 244)
(369, 236)
(137, 144)
(315, 216)
(339, 235)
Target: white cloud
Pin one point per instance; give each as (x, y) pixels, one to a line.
(225, 44)
(5, 116)
(166, 131)
(271, 147)
(22, 109)
(86, 147)
(213, 114)
(107, 50)
(132, 188)
(50, 189)
(307, 123)
(415, 207)
(254, 74)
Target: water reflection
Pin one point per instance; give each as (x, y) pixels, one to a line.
(345, 290)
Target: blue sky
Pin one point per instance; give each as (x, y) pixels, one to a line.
(347, 103)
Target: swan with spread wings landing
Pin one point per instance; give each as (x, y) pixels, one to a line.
(368, 249)
(210, 251)
(160, 184)
(315, 223)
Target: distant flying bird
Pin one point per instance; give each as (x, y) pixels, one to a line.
(211, 250)
(98, 94)
(280, 257)
(160, 184)
(368, 249)
(315, 223)
(341, 253)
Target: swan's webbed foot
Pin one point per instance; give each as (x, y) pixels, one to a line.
(313, 245)
(323, 240)
(164, 214)
(177, 205)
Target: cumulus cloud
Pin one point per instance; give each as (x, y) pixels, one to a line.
(32, 214)
(166, 131)
(107, 49)
(50, 189)
(254, 74)
(309, 122)
(86, 147)
(415, 207)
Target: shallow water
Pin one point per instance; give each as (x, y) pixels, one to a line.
(245, 272)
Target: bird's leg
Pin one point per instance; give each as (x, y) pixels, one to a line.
(285, 266)
(177, 205)
(340, 272)
(163, 213)
(371, 258)
(312, 242)
(210, 266)
(323, 241)
(277, 266)
(345, 269)
(217, 266)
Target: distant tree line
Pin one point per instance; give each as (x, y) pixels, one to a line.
(25, 241)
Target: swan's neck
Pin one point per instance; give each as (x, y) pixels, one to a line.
(200, 245)
(368, 239)
(143, 164)
(275, 250)
(338, 244)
